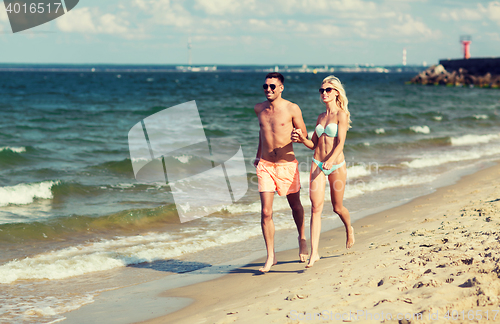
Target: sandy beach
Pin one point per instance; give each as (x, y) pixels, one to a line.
(432, 260)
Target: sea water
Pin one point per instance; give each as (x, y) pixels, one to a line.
(75, 222)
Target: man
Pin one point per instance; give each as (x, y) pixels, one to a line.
(277, 168)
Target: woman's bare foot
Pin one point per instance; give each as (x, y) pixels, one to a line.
(303, 253)
(269, 263)
(312, 259)
(350, 238)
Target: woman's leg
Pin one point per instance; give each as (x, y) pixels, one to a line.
(317, 196)
(337, 181)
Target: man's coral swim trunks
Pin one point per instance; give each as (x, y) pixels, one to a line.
(281, 177)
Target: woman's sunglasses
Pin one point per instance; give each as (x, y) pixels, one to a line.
(328, 90)
(272, 86)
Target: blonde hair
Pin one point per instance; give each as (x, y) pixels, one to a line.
(341, 98)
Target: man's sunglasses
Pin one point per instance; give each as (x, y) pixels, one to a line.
(272, 86)
(328, 90)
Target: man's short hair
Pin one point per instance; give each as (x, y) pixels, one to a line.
(276, 75)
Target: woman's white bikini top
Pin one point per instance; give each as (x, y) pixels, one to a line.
(330, 130)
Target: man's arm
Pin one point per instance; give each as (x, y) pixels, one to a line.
(257, 110)
(257, 156)
(297, 120)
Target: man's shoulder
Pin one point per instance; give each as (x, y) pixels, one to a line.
(291, 107)
(260, 106)
(287, 104)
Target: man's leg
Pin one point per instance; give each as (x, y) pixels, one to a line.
(298, 217)
(267, 224)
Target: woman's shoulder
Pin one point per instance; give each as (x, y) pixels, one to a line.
(322, 115)
(321, 118)
(342, 113)
(342, 116)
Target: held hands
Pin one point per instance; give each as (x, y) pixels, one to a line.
(297, 136)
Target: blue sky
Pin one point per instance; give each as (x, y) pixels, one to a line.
(285, 32)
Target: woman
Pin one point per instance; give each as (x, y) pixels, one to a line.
(328, 161)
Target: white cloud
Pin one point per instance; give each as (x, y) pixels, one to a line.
(364, 30)
(280, 8)
(252, 17)
(4, 19)
(470, 14)
(354, 5)
(166, 12)
(494, 36)
(198, 39)
(482, 12)
(87, 21)
(300, 26)
(216, 24)
(327, 30)
(291, 27)
(3, 14)
(77, 21)
(409, 27)
(111, 24)
(259, 25)
(333, 8)
(493, 11)
(224, 7)
(462, 14)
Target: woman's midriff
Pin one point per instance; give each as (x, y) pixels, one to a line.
(325, 149)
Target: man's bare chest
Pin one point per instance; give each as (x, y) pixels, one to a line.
(274, 120)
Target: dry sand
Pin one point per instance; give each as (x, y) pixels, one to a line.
(435, 256)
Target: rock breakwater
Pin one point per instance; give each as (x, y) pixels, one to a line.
(457, 76)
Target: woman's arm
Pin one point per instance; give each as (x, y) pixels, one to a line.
(341, 136)
(299, 137)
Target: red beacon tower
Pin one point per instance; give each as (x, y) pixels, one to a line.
(466, 40)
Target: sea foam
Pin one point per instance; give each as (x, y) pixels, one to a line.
(360, 187)
(21, 149)
(25, 193)
(183, 158)
(421, 129)
(447, 157)
(122, 251)
(473, 139)
(27, 310)
(358, 171)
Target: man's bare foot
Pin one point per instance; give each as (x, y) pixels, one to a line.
(350, 238)
(312, 259)
(303, 253)
(269, 263)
